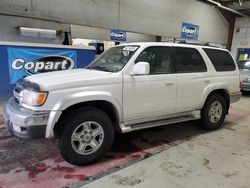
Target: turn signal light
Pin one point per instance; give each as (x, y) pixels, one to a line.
(41, 98)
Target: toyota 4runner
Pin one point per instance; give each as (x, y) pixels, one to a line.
(130, 87)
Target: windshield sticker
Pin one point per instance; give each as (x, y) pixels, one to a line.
(130, 48)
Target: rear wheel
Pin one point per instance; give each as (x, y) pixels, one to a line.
(85, 136)
(213, 113)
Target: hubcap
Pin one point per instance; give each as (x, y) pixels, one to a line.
(215, 112)
(87, 138)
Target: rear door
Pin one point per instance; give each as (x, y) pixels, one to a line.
(192, 77)
(225, 69)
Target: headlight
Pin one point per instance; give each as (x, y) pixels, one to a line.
(242, 77)
(33, 98)
(245, 78)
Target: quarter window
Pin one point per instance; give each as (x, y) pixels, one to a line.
(159, 59)
(222, 60)
(189, 60)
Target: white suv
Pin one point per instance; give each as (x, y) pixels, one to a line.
(130, 87)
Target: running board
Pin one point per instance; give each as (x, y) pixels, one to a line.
(129, 128)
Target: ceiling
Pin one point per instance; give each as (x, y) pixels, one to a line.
(242, 6)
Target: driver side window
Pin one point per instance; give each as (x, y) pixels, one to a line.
(159, 59)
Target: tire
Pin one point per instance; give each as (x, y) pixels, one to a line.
(85, 136)
(213, 113)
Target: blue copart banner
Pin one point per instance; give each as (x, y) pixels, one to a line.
(190, 31)
(25, 61)
(118, 35)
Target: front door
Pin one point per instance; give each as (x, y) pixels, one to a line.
(150, 97)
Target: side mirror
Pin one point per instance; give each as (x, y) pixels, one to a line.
(141, 68)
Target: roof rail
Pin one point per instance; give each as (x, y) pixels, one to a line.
(195, 43)
(182, 41)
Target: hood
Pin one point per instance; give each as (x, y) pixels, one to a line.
(68, 78)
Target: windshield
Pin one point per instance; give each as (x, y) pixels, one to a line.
(114, 59)
(244, 65)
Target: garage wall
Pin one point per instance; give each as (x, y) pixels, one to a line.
(158, 17)
(241, 33)
(164, 18)
(8, 31)
(137, 37)
(78, 31)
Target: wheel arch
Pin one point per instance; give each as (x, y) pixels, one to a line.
(105, 106)
(97, 99)
(224, 92)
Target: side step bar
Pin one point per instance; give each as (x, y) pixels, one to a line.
(129, 128)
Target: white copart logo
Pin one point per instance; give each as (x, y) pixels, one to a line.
(18, 64)
(118, 35)
(190, 31)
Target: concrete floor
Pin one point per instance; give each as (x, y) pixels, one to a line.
(179, 155)
(215, 159)
(36, 163)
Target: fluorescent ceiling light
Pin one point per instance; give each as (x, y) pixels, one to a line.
(37, 33)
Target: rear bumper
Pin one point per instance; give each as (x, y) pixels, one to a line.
(25, 123)
(235, 97)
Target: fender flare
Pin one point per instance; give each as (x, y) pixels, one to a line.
(77, 98)
(209, 89)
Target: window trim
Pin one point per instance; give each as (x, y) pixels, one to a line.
(175, 62)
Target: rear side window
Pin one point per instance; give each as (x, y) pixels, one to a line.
(189, 60)
(222, 60)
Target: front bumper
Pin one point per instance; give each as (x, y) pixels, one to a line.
(23, 122)
(245, 86)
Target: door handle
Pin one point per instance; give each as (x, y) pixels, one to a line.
(169, 83)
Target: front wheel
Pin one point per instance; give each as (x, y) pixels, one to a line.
(85, 136)
(213, 113)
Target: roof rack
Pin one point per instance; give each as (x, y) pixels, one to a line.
(181, 41)
(195, 43)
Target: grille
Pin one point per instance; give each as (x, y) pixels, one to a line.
(16, 94)
(246, 80)
(16, 100)
(17, 90)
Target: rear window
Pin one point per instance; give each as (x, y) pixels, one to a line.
(222, 60)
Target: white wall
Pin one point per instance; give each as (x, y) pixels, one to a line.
(8, 31)
(158, 17)
(241, 32)
(164, 18)
(85, 32)
(138, 37)
(85, 42)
